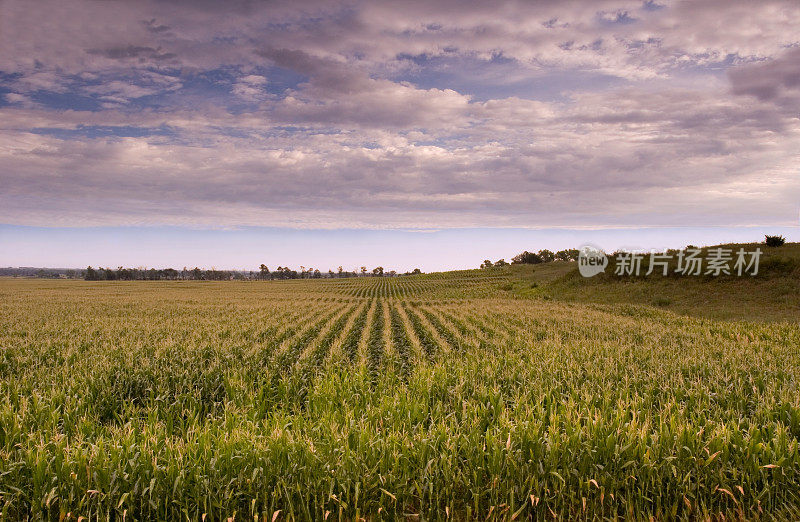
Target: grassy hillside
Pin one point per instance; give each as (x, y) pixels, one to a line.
(772, 295)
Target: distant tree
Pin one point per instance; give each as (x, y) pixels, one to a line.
(317, 274)
(547, 256)
(567, 255)
(197, 274)
(331, 274)
(526, 258)
(487, 264)
(377, 271)
(416, 271)
(363, 270)
(340, 270)
(123, 274)
(284, 272)
(500, 262)
(774, 241)
(263, 271)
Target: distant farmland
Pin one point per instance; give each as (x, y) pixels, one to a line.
(463, 395)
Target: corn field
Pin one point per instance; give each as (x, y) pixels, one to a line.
(425, 397)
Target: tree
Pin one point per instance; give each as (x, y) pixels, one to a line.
(567, 255)
(377, 271)
(774, 241)
(363, 270)
(547, 256)
(416, 271)
(91, 274)
(500, 262)
(340, 270)
(264, 271)
(526, 258)
(486, 264)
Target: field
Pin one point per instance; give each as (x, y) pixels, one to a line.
(495, 394)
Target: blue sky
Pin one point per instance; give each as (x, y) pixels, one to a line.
(274, 128)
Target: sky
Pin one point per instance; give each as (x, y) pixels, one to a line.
(403, 134)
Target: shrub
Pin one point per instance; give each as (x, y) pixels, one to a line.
(774, 241)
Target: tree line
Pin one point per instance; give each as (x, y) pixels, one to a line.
(535, 258)
(284, 272)
(198, 274)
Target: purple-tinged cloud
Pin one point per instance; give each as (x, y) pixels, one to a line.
(366, 114)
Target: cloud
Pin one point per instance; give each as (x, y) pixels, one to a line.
(769, 80)
(122, 90)
(49, 81)
(133, 52)
(19, 99)
(656, 154)
(316, 115)
(550, 34)
(251, 88)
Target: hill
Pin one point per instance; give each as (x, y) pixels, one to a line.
(772, 295)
